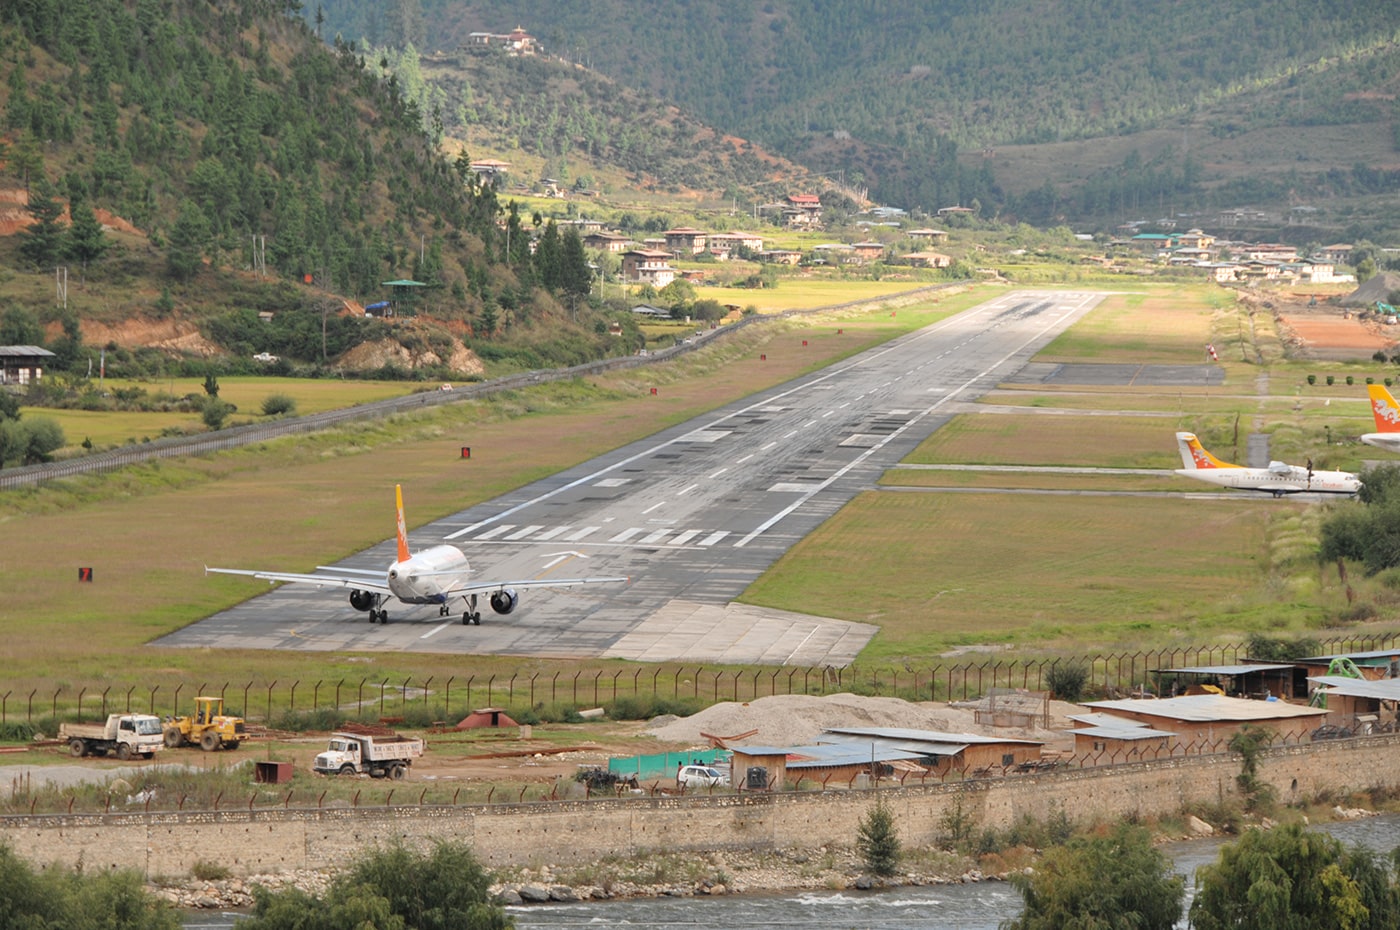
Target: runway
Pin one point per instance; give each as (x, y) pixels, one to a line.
(691, 515)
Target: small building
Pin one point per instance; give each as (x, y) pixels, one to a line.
(648, 310)
(489, 169)
(928, 235)
(685, 239)
(869, 251)
(606, 242)
(926, 259)
(647, 266)
(1338, 253)
(486, 717)
(1374, 664)
(1359, 705)
(1205, 722)
(1103, 739)
(735, 241)
(1256, 680)
(515, 42)
(22, 365)
(802, 211)
(780, 257)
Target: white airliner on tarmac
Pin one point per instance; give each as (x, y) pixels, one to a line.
(1387, 414)
(433, 576)
(1278, 479)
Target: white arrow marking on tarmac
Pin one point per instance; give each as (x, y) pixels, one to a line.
(563, 557)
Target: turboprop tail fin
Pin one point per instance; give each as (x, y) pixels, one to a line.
(1195, 456)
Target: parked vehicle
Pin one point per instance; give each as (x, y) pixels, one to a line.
(125, 735)
(209, 728)
(701, 776)
(379, 756)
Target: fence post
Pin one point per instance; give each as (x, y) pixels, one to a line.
(55, 701)
(81, 692)
(268, 718)
(403, 696)
(292, 700)
(383, 686)
(447, 698)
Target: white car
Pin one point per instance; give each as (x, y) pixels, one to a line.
(701, 776)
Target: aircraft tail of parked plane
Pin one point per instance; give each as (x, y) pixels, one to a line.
(1386, 411)
(433, 576)
(1277, 479)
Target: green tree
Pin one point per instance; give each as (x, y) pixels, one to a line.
(215, 412)
(42, 242)
(188, 239)
(96, 901)
(1250, 741)
(1113, 882)
(877, 839)
(211, 384)
(86, 242)
(1281, 879)
(575, 275)
(20, 327)
(391, 889)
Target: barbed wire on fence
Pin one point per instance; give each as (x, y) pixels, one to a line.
(598, 687)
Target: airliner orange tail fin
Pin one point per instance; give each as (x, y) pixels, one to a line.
(1194, 455)
(403, 529)
(1385, 409)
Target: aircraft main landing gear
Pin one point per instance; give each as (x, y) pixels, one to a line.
(471, 614)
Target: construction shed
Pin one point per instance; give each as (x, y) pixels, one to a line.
(1103, 739)
(1359, 705)
(1256, 680)
(1205, 722)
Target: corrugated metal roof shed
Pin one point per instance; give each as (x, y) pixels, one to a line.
(929, 736)
(1208, 708)
(1122, 732)
(1386, 689)
(1225, 669)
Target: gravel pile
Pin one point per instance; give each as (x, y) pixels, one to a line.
(794, 719)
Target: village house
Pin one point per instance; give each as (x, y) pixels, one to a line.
(928, 235)
(582, 226)
(955, 211)
(926, 259)
(489, 169)
(606, 241)
(780, 257)
(1195, 239)
(1338, 253)
(869, 251)
(647, 266)
(515, 42)
(802, 210)
(22, 365)
(685, 239)
(1359, 706)
(1270, 252)
(734, 241)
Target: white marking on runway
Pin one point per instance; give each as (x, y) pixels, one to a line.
(627, 534)
(720, 472)
(686, 537)
(435, 630)
(521, 534)
(586, 531)
(550, 534)
(713, 538)
(744, 459)
(687, 490)
(496, 531)
(654, 506)
(656, 537)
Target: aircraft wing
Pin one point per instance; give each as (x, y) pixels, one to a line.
(475, 586)
(362, 583)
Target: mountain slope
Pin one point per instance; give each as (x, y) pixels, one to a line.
(892, 95)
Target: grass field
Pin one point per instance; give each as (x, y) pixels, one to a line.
(298, 502)
(1038, 571)
(935, 570)
(122, 427)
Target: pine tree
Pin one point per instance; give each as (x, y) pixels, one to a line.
(43, 241)
(188, 238)
(878, 840)
(86, 241)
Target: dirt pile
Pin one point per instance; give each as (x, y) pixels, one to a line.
(1377, 287)
(371, 355)
(794, 719)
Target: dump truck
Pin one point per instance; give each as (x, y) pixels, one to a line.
(124, 735)
(379, 756)
(209, 728)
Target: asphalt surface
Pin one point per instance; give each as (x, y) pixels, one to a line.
(691, 516)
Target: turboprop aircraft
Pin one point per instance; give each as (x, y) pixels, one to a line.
(433, 576)
(1387, 414)
(1278, 479)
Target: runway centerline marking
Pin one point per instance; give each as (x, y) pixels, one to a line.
(654, 506)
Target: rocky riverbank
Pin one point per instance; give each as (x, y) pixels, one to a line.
(663, 875)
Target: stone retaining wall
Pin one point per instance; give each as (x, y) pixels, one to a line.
(247, 842)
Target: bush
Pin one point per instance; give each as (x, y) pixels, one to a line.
(645, 708)
(209, 871)
(878, 841)
(1067, 680)
(276, 405)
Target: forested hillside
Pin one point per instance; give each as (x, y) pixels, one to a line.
(254, 168)
(892, 95)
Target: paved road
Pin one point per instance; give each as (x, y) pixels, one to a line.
(692, 515)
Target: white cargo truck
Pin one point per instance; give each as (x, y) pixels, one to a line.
(126, 735)
(379, 756)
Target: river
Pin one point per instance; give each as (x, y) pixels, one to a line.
(979, 906)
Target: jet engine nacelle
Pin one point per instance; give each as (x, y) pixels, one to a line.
(504, 600)
(362, 600)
